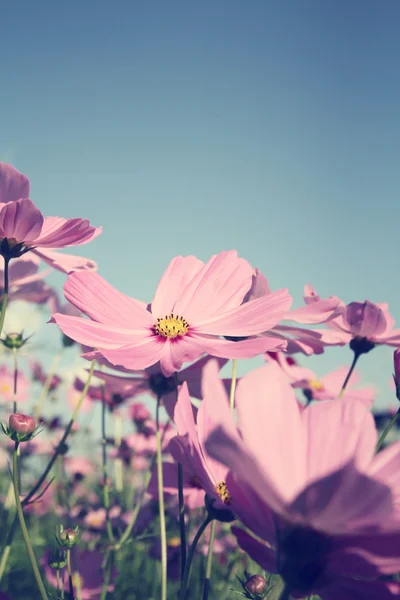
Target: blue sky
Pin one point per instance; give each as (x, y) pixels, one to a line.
(192, 127)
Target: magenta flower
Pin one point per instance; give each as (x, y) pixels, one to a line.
(23, 227)
(195, 304)
(308, 483)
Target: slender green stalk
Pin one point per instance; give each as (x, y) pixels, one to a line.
(192, 550)
(106, 487)
(207, 578)
(15, 380)
(163, 531)
(107, 576)
(181, 500)
(5, 295)
(349, 374)
(58, 582)
(46, 387)
(71, 585)
(119, 475)
(233, 385)
(24, 530)
(386, 431)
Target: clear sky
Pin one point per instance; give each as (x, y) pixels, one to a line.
(185, 127)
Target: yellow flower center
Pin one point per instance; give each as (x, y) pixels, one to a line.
(5, 388)
(171, 326)
(315, 384)
(223, 492)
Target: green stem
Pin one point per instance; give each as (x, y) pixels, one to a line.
(106, 487)
(58, 582)
(24, 530)
(192, 550)
(349, 374)
(163, 531)
(71, 586)
(386, 431)
(15, 380)
(181, 500)
(107, 577)
(207, 578)
(5, 295)
(233, 385)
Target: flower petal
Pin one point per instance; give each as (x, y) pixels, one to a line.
(176, 277)
(90, 333)
(13, 184)
(66, 263)
(58, 232)
(20, 220)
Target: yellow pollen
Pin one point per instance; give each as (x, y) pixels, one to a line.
(223, 493)
(315, 384)
(5, 388)
(171, 326)
(174, 542)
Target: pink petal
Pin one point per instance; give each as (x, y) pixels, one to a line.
(20, 220)
(337, 432)
(66, 263)
(365, 319)
(13, 184)
(241, 349)
(259, 287)
(351, 589)
(139, 355)
(98, 299)
(386, 468)
(251, 318)
(58, 232)
(391, 339)
(334, 381)
(176, 277)
(316, 312)
(194, 373)
(310, 295)
(262, 554)
(218, 286)
(268, 410)
(90, 333)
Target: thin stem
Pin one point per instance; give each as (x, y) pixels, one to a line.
(119, 478)
(163, 531)
(107, 577)
(349, 374)
(106, 487)
(192, 550)
(5, 295)
(24, 530)
(182, 526)
(233, 385)
(15, 380)
(46, 387)
(58, 582)
(207, 578)
(71, 586)
(386, 431)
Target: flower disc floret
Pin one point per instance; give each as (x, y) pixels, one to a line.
(171, 326)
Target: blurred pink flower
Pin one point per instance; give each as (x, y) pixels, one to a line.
(23, 227)
(25, 283)
(194, 305)
(7, 386)
(309, 484)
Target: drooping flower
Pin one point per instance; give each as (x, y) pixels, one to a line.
(308, 483)
(23, 227)
(195, 304)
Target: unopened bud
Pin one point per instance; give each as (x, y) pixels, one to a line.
(21, 428)
(14, 341)
(68, 537)
(256, 586)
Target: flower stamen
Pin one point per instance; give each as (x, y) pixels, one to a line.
(223, 492)
(171, 326)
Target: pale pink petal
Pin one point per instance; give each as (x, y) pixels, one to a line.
(334, 381)
(352, 589)
(268, 412)
(390, 339)
(386, 468)
(218, 286)
(66, 263)
(259, 287)
(96, 335)
(20, 220)
(181, 350)
(139, 355)
(316, 312)
(310, 295)
(177, 275)
(365, 319)
(241, 349)
(337, 432)
(193, 374)
(95, 297)
(58, 232)
(13, 184)
(366, 395)
(251, 318)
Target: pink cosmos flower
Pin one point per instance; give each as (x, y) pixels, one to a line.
(7, 386)
(23, 227)
(309, 484)
(201, 473)
(25, 283)
(327, 387)
(363, 325)
(195, 304)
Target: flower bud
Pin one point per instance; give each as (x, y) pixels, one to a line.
(14, 341)
(256, 586)
(21, 424)
(68, 537)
